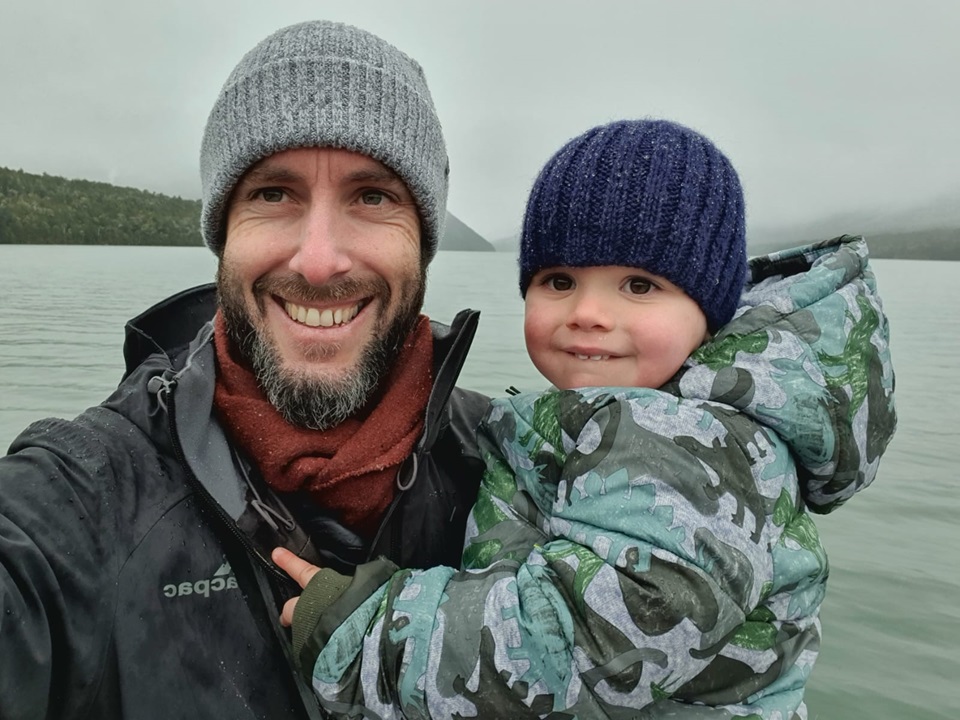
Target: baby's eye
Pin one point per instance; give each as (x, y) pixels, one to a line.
(560, 283)
(270, 195)
(638, 286)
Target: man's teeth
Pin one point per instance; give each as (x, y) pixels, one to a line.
(321, 318)
(591, 357)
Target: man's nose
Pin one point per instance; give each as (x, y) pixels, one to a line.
(323, 245)
(590, 311)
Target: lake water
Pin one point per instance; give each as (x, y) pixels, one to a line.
(891, 620)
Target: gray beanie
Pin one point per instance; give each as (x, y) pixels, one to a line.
(324, 84)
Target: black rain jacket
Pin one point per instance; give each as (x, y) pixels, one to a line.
(135, 579)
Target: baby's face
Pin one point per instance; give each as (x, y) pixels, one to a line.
(610, 325)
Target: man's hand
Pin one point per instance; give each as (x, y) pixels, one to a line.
(300, 571)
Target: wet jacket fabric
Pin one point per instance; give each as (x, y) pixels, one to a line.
(134, 580)
(639, 553)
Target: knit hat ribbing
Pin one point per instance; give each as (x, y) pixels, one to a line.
(324, 84)
(642, 193)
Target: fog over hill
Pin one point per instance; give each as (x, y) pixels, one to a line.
(928, 232)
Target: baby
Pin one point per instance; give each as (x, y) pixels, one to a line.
(640, 546)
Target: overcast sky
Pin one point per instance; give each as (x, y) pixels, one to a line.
(825, 107)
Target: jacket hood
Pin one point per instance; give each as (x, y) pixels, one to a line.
(807, 356)
(169, 326)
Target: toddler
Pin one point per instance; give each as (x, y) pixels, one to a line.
(641, 544)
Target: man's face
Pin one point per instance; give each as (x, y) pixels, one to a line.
(321, 279)
(609, 326)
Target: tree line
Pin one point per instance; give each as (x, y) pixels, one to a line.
(49, 210)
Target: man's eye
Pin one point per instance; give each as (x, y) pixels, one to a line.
(373, 197)
(270, 195)
(560, 283)
(638, 286)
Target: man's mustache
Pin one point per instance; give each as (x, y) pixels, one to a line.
(295, 288)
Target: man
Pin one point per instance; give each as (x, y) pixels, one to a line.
(307, 404)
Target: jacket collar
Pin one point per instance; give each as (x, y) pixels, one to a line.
(169, 326)
(180, 328)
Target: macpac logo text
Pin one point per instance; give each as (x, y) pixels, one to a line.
(222, 579)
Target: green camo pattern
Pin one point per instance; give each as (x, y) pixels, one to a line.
(640, 553)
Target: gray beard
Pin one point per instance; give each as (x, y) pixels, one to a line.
(311, 402)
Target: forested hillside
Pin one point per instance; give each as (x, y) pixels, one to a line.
(51, 210)
(48, 210)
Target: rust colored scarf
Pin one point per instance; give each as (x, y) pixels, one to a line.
(350, 468)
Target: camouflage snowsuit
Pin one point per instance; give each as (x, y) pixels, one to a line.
(639, 553)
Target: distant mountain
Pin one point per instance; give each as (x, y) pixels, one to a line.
(927, 232)
(459, 236)
(50, 210)
(941, 244)
(53, 210)
(930, 232)
(937, 244)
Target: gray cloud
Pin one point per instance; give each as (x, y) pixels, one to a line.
(826, 108)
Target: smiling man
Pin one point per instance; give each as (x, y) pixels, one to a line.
(301, 402)
(322, 280)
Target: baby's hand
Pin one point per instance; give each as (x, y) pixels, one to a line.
(299, 570)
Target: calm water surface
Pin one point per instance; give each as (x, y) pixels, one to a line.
(891, 620)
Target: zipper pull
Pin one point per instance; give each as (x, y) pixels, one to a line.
(161, 386)
(407, 474)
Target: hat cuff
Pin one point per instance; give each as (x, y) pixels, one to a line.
(332, 102)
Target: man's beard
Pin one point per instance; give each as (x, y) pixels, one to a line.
(318, 403)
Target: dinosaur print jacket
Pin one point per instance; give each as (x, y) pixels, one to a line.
(639, 553)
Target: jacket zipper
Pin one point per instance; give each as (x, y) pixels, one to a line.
(165, 396)
(445, 382)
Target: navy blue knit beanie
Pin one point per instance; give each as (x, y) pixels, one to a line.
(642, 193)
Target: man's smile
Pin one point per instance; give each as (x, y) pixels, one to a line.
(326, 317)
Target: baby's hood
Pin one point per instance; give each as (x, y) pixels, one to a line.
(807, 356)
